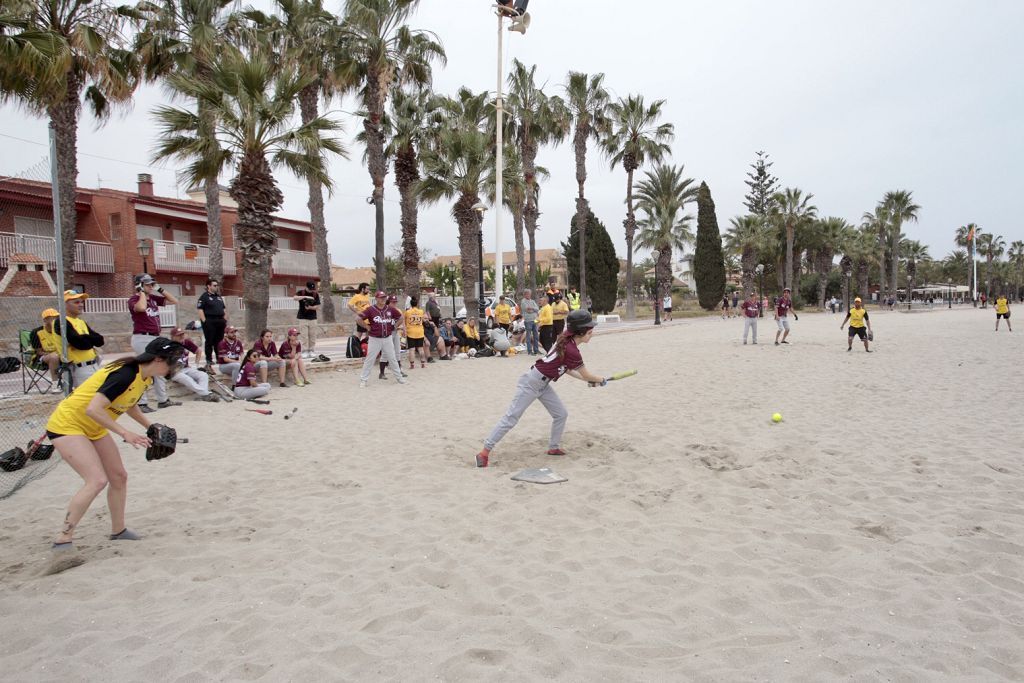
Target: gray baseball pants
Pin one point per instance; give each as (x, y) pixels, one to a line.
(139, 342)
(531, 386)
(385, 347)
(749, 324)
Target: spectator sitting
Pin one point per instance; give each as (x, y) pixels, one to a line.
(290, 353)
(518, 331)
(195, 379)
(247, 384)
(46, 347)
(449, 338)
(269, 360)
(472, 334)
(433, 341)
(229, 352)
(498, 340)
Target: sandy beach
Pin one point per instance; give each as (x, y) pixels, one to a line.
(876, 533)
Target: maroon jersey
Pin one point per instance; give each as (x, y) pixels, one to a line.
(286, 349)
(229, 348)
(247, 376)
(268, 351)
(382, 321)
(783, 307)
(553, 367)
(192, 348)
(148, 321)
(749, 309)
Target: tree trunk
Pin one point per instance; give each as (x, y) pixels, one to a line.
(580, 222)
(308, 105)
(630, 225)
(894, 263)
(824, 267)
(788, 277)
(258, 198)
(517, 230)
(406, 176)
(469, 250)
(664, 279)
(862, 280)
(748, 265)
(211, 191)
(374, 99)
(883, 285)
(528, 151)
(64, 118)
(532, 238)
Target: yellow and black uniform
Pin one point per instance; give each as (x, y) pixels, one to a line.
(414, 327)
(123, 385)
(1002, 308)
(82, 341)
(545, 324)
(858, 319)
(503, 316)
(45, 342)
(559, 312)
(359, 301)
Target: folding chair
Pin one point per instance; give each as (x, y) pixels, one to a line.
(33, 371)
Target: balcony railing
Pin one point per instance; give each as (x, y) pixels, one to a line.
(90, 257)
(181, 257)
(287, 262)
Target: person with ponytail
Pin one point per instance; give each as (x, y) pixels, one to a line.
(536, 384)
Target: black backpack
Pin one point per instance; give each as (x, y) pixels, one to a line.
(354, 349)
(9, 364)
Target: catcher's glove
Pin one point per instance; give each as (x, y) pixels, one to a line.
(163, 440)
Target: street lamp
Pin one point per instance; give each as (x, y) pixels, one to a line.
(144, 247)
(451, 280)
(760, 289)
(520, 21)
(481, 208)
(949, 290)
(657, 291)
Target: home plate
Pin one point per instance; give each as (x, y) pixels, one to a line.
(543, 475)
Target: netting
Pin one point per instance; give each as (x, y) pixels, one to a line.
(22, 424)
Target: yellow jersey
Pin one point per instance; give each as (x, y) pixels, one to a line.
(471, 332)
(122, 384)
(1001, 305)
(503, 314)
(360, 301)
(560, 310)
(49, 342)
(414, 323)
(858, 316)
(545, 317)
(77, 355)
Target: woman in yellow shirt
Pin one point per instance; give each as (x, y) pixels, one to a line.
(80, 427)
(1003, 311)
(559, 312)
(858, 317)
(545, 324)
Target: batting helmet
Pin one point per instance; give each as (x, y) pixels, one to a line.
(579, 320)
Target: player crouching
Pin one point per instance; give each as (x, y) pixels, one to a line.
(80, 429)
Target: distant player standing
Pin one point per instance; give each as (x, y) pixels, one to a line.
(858, 317)
(414, 333)
(1003, 311)
(782, 309)
(536, 385)
(382, 320)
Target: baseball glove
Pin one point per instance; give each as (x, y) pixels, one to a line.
(163, 440)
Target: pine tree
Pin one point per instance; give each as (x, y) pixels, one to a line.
(602, 264)
(708, 260)
(763, 186)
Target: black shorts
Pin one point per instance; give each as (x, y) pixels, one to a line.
(861, 332)
(1003, 315)
(53, 435)
(412, 343)
(668, 310)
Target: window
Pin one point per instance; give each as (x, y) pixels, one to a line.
(182, 236)
(149, 232)
(278, 290)
(38, 227)
(173, 289)
(284, 243)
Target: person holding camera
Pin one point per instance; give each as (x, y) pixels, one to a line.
(309, 304)
(210, 306)
(144, 307)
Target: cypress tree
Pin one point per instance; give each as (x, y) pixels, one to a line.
(602, 264)
(708, 260)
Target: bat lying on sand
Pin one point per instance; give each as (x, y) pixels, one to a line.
(617, 375)
(261, 411)
(288, 416)
(259, 401)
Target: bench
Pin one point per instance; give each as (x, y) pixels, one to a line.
(613, 318)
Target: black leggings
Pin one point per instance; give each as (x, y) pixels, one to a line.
(547, 336)
(213, 333)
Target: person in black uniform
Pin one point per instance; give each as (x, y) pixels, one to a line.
(309, 304)
(211, 313)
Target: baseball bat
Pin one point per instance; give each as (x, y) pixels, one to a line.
(622, 375)
(288, 416)
(261, 411)
(259, 401)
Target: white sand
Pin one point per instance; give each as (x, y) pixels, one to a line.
(877, 533)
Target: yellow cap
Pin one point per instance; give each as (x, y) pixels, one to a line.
(857, 300)
(50, 313)
(71, 295)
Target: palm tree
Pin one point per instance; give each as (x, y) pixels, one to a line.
(830, 237)
(748, 237)
(253, 101)
(184, 36)
(587, 102)
(634, 137)
(968, 236)
(792, 211)
(991, 247)
(662, 196)
(56, 53)
(864, 249)
(539, 120)
(954, 266)
(382, 53)
(1016, 258)
(900, 207)
(914, 252)
(459, 165)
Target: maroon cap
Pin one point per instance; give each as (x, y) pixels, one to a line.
(293, 331)
(177, 331)
(380, 294)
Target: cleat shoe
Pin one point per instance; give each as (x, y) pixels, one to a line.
(283, 385)
(362, 384)
(147, 409)
(556, 451)
(168, 404)
(482, 458)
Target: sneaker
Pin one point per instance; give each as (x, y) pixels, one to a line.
(556, 451)
(168, 404)
(422, 365)
(362, 384)
(209, 398)
(306, 381)
(482, 458)
(785, 342)
(430, 360)
(299, 383)
(56, 389)
(283, 385)
(401, 379)
(776, 343)
(146, 409)
(744, 343)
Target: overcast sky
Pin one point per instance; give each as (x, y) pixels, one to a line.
(850, 99)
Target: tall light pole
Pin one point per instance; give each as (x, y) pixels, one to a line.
(760, 289)
(949, 290)
(451, 279)
(520, 20)
(657, 290)
(480, 208)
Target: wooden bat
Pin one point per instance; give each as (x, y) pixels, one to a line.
(288, 416)
(259, 401)
(261, 411)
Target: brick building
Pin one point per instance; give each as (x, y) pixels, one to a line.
(110, 224)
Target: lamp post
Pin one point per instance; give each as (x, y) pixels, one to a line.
(144, 247)
(760, 289)
(451, 280)
(657, 290)
(949, 290)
